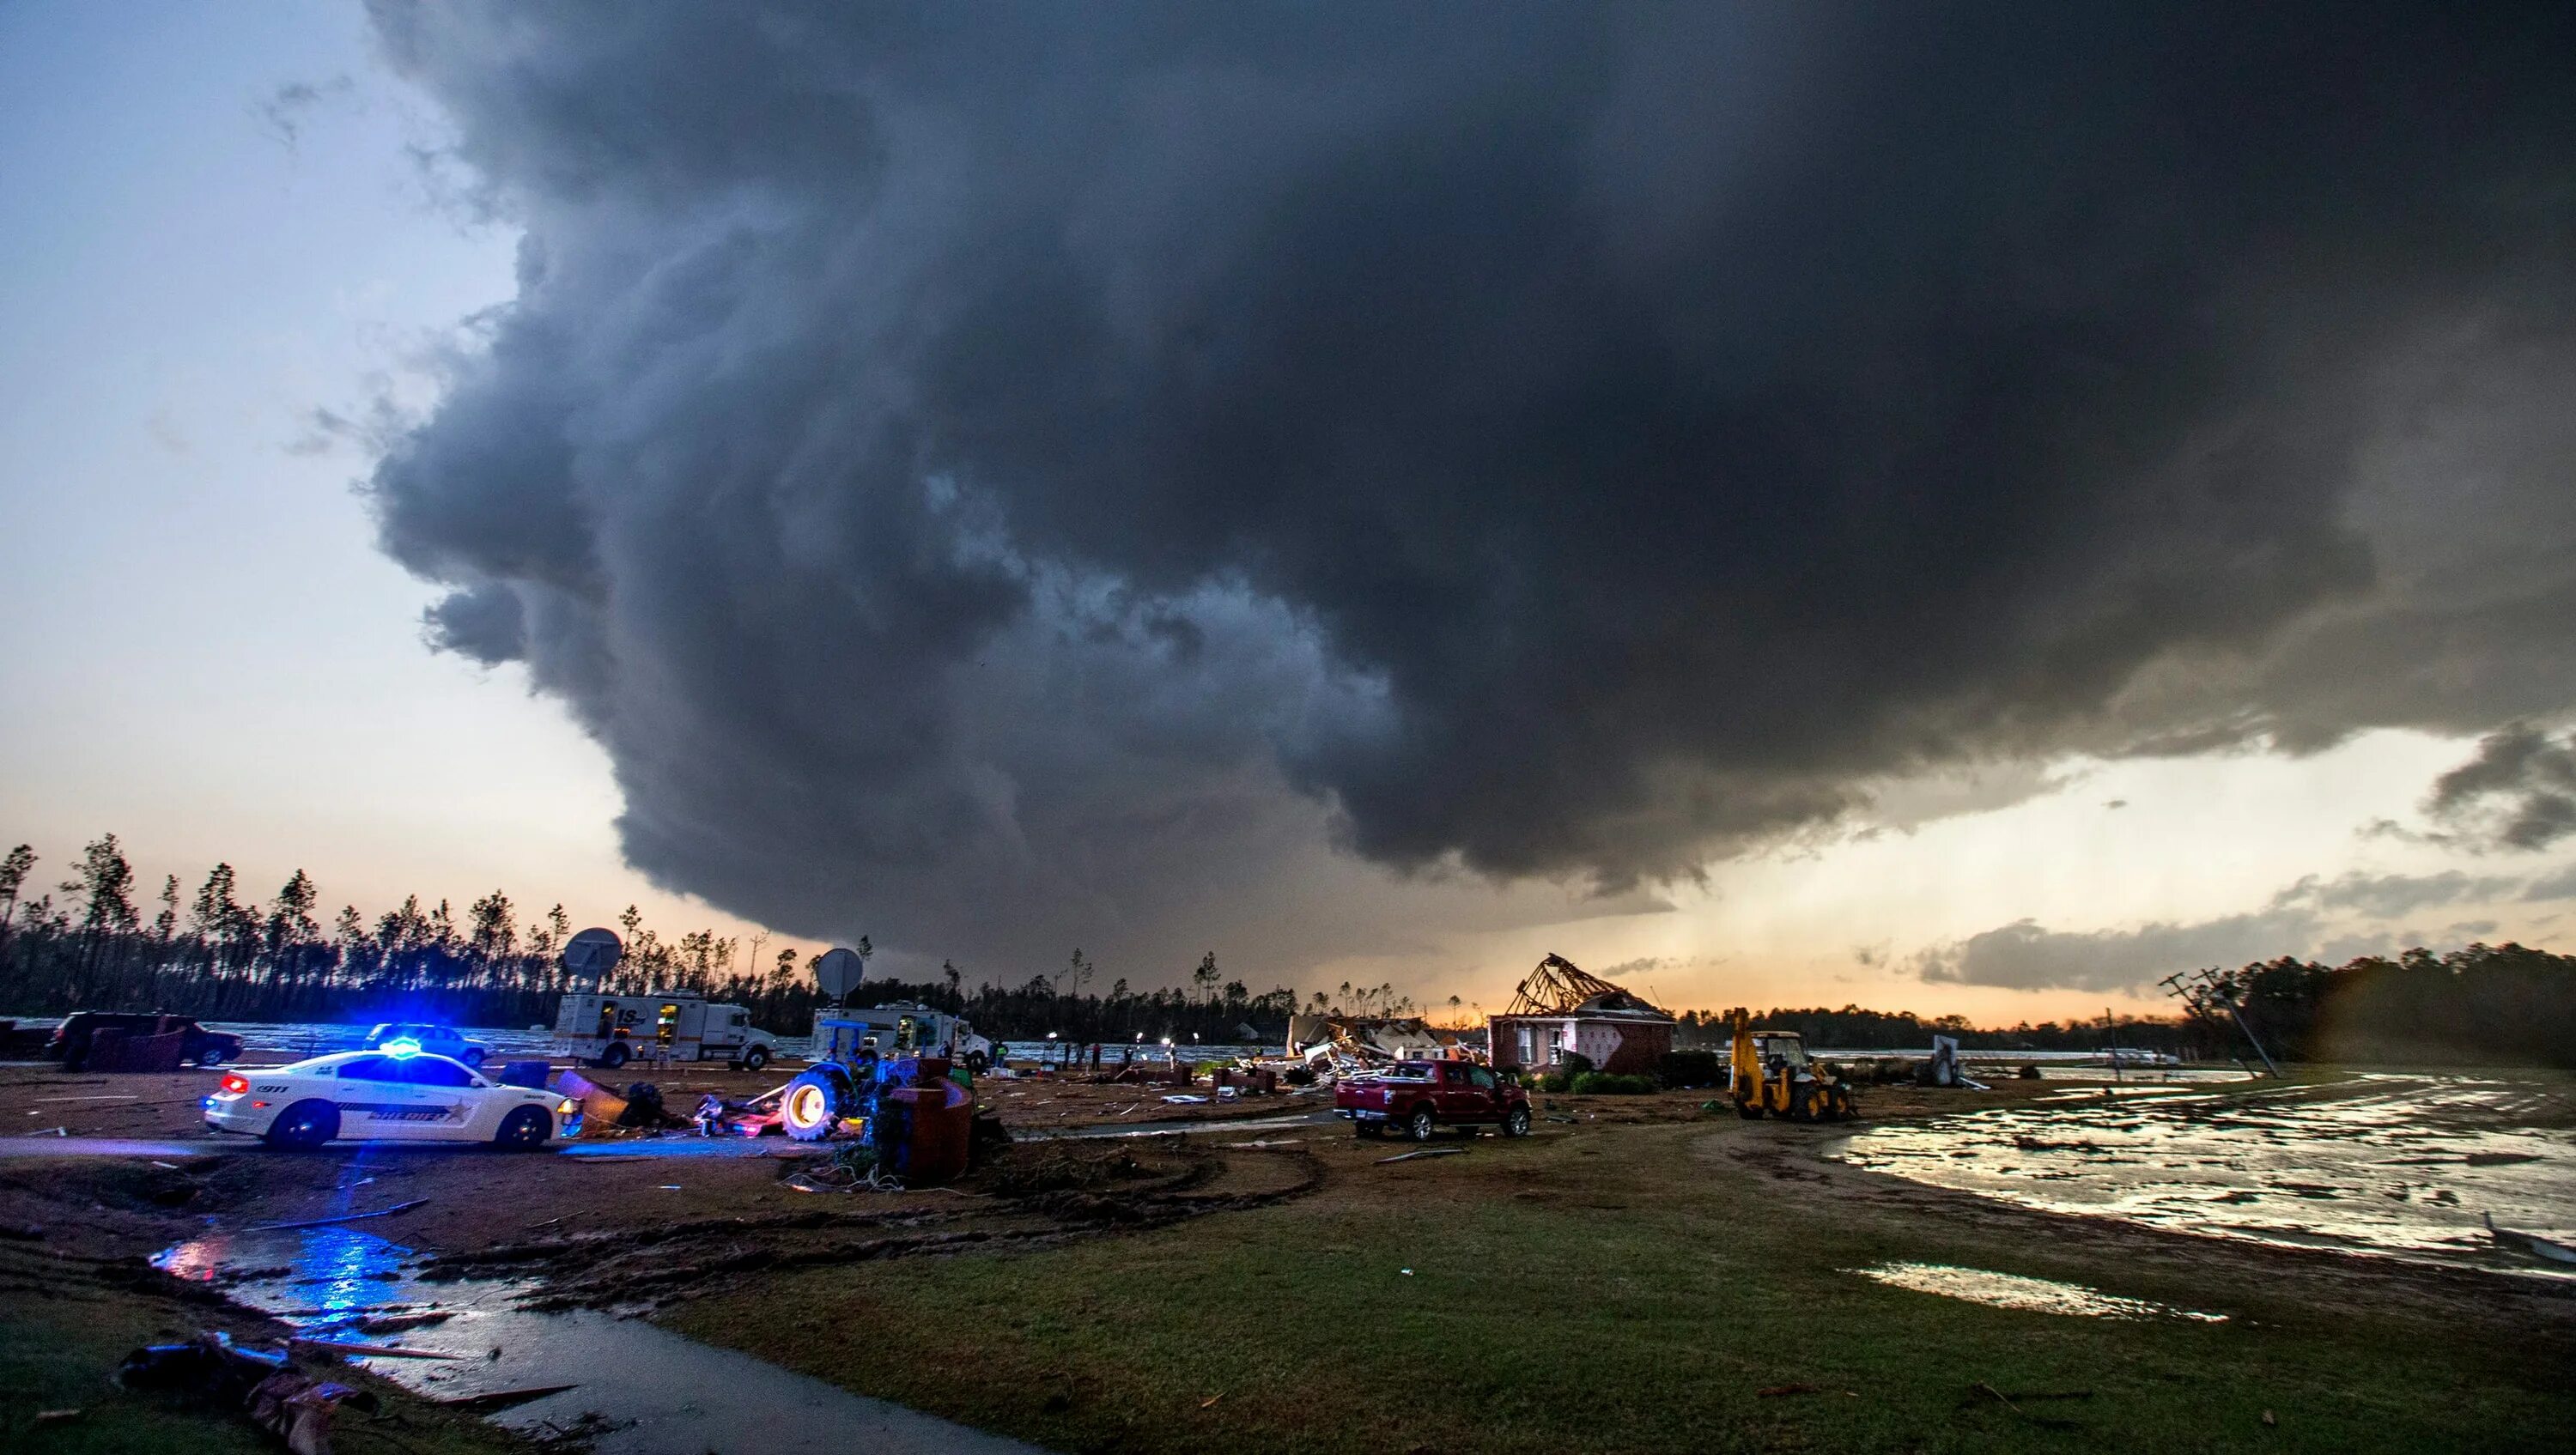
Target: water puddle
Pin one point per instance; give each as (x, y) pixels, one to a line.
(647, 1391)
(2033, 1295)
(2384, 1164)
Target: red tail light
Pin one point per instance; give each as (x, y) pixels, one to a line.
(236, 1085)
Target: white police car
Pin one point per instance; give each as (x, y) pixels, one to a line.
(396, 1095)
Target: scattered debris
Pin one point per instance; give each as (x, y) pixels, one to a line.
(1777, 1390)
(1421, 1152)
(1981, 1389)
(2530, 1244)
(372, 1351)
(1209, 1403)
(501, 1399)
(382, 1212)
(57, 1417)
(258, 1384)
(396, 1323)
(297, 1408)
(1184, 1100)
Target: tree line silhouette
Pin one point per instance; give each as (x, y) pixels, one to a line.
(86, 944)
(213, 955)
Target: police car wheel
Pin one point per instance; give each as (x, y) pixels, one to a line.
(472, 1057)
(523, 1129)
(305, 1124)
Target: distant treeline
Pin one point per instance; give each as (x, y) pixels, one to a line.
(1854, 1029)
(88, 945)
(212, 955)
(2482, 1005)
(2485, 1004)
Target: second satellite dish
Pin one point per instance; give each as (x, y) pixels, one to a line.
(592, 953)
(837, 972)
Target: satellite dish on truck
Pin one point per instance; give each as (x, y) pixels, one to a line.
(837, 972)
(592, 953)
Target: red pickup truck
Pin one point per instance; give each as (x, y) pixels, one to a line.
(1415, 1096)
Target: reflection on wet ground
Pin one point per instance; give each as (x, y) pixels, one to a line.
(644, 1389)
(2393, 1164)
(2036, 1295)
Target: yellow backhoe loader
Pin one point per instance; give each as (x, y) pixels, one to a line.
(1772, 1073)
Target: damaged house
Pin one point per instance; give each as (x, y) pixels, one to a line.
(1561, 1009)
(1370, 1039)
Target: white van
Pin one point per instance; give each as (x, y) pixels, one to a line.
(611, 1030)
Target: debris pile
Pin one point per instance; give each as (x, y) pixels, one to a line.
(260, 1385)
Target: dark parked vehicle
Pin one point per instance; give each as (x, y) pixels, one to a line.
(1411, 1097)
(71, 1042)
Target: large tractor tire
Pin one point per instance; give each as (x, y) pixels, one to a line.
(1802, 1103)
(814, 1104)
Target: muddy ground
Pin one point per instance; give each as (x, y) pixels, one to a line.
(709, 1213)
(712, 1243)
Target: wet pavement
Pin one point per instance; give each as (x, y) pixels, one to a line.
(2398, 1165)
(638, 1389)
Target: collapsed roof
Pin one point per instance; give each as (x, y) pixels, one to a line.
(1560, 987)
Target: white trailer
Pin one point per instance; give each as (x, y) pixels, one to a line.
(611, 1030)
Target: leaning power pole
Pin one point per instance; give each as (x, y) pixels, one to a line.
(2205, 989)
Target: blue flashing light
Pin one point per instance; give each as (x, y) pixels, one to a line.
(400, 1048)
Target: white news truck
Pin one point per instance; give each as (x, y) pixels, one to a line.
(903, 1030)
(611, 1030)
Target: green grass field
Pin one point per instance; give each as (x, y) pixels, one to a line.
(1638, 1289)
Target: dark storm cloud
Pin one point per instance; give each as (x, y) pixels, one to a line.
(1013, 463)
(2518, 792)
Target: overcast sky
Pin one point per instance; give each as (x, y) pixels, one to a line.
(1970, 510)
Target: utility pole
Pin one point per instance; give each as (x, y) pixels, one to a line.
(2206, 988)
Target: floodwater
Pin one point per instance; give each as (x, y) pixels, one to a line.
(638, 1389)
(2036, 1295)
(2392, 1165)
